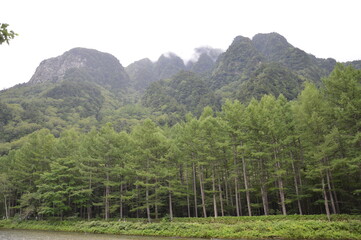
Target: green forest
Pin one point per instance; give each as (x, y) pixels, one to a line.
(266, 156)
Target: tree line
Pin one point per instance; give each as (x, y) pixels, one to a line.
(270, 156)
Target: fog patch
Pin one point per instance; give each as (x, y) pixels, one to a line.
(170, 55)
(213, 53)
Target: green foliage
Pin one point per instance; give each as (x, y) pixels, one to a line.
(5, 34)
(27, 108)
(142, 74)
(267, 64)
(313, 227)
(185, 92)
(204, 64)
(270, 79)
(267, 157)
(86, 98)
(168, 65)
(241, 58)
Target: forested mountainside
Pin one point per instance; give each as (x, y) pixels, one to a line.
(144, 72)
(84, 87)
(263, 128)
(184, 92)
(246, 57)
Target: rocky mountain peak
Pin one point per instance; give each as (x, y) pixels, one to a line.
(82, 64)
(269, 39)
(141, 73)
(167, 65)
(271, 45)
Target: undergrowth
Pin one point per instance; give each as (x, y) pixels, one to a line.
(286, 227)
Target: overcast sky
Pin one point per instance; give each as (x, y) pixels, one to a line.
(135, 29)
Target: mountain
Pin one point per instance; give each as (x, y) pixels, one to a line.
(203, 65)
(142, 74)
(204, 60)
(84, 88)
(168, 65)
(184, 92)
(77, 89)
(266, 64)
(240, 59)
(270, 78)
(81, 64)
(275, 48)
(356, 64)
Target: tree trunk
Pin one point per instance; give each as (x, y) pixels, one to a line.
(6, 207)
(188, 198)
(200, 175)
(333, 205)
(107, 193)
(195, 190)
(214, 196)
(121, 202)
(137, 190)
(147, 199)
(240, 202)
(156, 201)
(220, 197)
(282, 196)
(246, 184)
(170, 202)
(89, 209)
(334, 194)
(236, 179)
(226, 188)
(263, 180)
(325, 199)
(296, 186)
(280, 184)
(264, 199)
(236, 194)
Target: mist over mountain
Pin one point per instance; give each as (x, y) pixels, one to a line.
(168, 65)
(85, 87)
(203, 59)
(143, 72)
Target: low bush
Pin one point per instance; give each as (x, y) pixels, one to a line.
(285, 227)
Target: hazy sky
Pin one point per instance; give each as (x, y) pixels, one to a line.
(135, 29)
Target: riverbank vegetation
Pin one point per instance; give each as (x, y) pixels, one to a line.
(269, 157)
(285, 227)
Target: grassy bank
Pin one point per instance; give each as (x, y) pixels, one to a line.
(289, 227)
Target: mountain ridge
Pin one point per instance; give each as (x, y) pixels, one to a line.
(84, 87)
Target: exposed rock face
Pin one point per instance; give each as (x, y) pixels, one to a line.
(81, 64)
